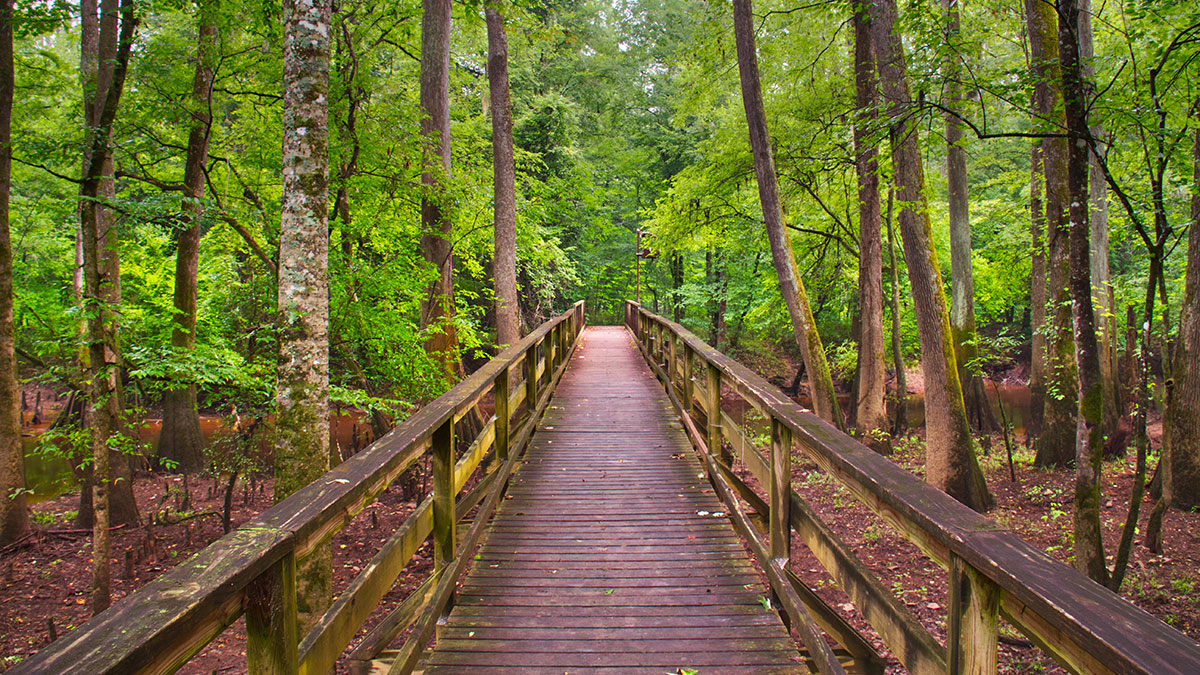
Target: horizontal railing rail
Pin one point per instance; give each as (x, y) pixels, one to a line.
(251, 571)
(992, 571)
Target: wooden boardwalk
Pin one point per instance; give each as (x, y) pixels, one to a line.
(611, 553)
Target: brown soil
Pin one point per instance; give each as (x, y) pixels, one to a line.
(47, 575)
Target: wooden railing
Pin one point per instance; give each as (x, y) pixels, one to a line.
(252, 570)
(993, 573)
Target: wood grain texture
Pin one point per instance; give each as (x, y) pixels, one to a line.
(608, 552)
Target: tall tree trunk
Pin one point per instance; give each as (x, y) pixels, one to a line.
(14, 517)
(1056, 442)
(790, 285)
(1184, 412)
(950, 464)
(1037, 290)
(962, 280)
(99, 286)
(901, 396)
(181, 441)
(1089, 441)
(1102, 289)
(504, 262)
(302, 393)
(437, 309)
(870, 412)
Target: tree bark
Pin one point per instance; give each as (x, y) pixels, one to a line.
(1056, 441)
(181, 441)
(1184, 412)
(962, 280)
(870, 412)
(1037, 290)
(901, 396)
(1102, 288)
(504, 261)
(14, 516)
(100, 286)
(437, 309)
(302, 393)
(791, 287)
(1089, 441)
(951, 464)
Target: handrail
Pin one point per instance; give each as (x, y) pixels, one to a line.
(251, 570)
(993, 572)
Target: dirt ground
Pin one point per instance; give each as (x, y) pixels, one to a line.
(46, 576)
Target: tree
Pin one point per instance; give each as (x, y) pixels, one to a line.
(181, 441)
(962, 279)
(1058, 388)
(1089, 441)
(302, 390)
(14, 517)
(951, 464)
(1183, 416)
(437, 309)
(790, 285)
(504, 262)
(871, 414)
(100, 286)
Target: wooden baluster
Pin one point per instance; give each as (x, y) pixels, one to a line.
(272, 623)
(689, 384)
(713, 409)
(500, 392)
(781, 485)
(671, 360)
(531, 385)
(442, 453)
(973, 621)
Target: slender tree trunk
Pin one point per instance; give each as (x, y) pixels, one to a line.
(791, 287)
(181, 441)
(302, 393)
(1056, 442)
(870, 412)
(1102, 289)
(950, 464)
(504, 262)
(962, 280)
(1184, 412)
(437, 309)
(1089, 441)
(14, 516)
(99, 286)
(1037, 291)
(901, 425)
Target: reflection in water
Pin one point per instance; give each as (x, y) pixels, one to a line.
(48, 476)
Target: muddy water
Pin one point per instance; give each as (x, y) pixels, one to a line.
(48, 476)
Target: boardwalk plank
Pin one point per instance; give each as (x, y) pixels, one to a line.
(611, 553)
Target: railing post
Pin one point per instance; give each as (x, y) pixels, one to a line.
(714, 411)
(973, 621)
(781, 483)
(442, 452)
(531, 384)
(672, 361)
(500, 389)
(272, 623)
(689, 384)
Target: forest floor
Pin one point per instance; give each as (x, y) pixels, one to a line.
(47, 576)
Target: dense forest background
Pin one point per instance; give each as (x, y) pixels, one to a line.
(633, 177)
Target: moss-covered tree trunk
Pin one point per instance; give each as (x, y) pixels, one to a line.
(437, 309)
(302, 390)
(1089, 440)
(962, 278)
(181, 441)
(504, 261)
(1058, 387)
(791, 287)
(1184, 413)
(14, 517)
(870, 412)
(950, 464)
